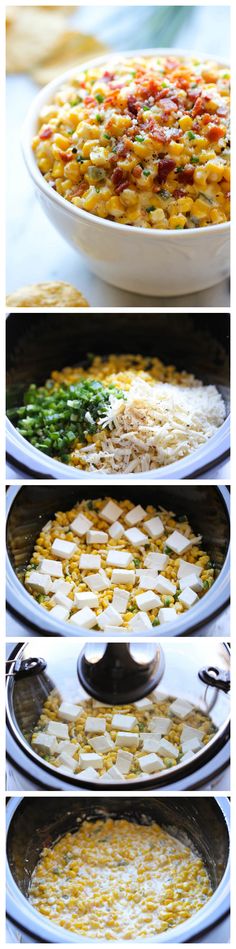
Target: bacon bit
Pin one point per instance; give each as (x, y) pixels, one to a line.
(65, 156)
(89, 100)
(168, 105)
(215, 132)
(155, 130)
(133, 106)
(205, 118)
(177, 193)
(165, 166)
(186, 175)
(108, 76)
(46, 133)
(81, 189)
(137, 171)
(121, 150)
(119, 181)
(122, 186)
(201, 104)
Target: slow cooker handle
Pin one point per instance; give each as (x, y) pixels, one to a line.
(25, 667)
(218, 678)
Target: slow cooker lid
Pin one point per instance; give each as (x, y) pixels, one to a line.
(183, 661)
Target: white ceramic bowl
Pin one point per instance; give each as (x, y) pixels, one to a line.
(159, 263)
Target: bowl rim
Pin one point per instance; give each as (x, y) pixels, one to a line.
(206, 917)
(217, 596)
(32, 167)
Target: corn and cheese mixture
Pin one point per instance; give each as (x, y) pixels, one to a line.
(114, 566)
(114, 879)
(119, 413)
(120, 742)
(143, 142)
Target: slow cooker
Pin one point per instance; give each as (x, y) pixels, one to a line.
(201, 821)
(36, 344)
(28, 508)
(197, 672)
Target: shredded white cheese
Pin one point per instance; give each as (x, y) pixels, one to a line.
(155, 425)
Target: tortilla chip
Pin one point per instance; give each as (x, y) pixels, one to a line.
(31, 34)
(47, 294)
(71, 49)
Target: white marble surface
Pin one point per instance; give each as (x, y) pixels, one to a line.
(35, 251)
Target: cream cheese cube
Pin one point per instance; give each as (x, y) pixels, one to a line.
(163, 585)
(181, 708)
(116, 530)
(64, 770)
(102, 743)
(166, 748)
(135, 516)
(39, 582)
(96, 537)
(97, 581)
(143, 703)
(68, 761)
(167, 614)
(58, 729)
(140, 623)
(67, 746)
(118, 558)
(109, 617)
(149, 763)
(86, 599)
(68, 712)
(147, 579)
(44, 742)
(154, 527)
(95, 726)
(127, 740)
(126, 577)
(51, 567)
(188, 597)
(120, 600)
(151, 743)
(136, 537)
(90, 759)
(63, 548)
(124, 722)
(61, 600)
(113, 774)
(186, 568)
(156, 561)
(90, 562)
(192, 581)
(178, 542)
(193, 744)
(115, 630)
(160, 725)
(148, 601)
(187, 757)
(84, 618)
(124, 761)
(60, 613)
(111, 512)
(89, 774)
(159, 697)
(80, 525)
(189, 732)
(61, 586)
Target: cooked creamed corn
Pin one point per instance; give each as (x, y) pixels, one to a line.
(143, 142)
(73, 573)
(114, 879)
(81, 741)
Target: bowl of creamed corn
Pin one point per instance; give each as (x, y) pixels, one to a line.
(130, 156)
